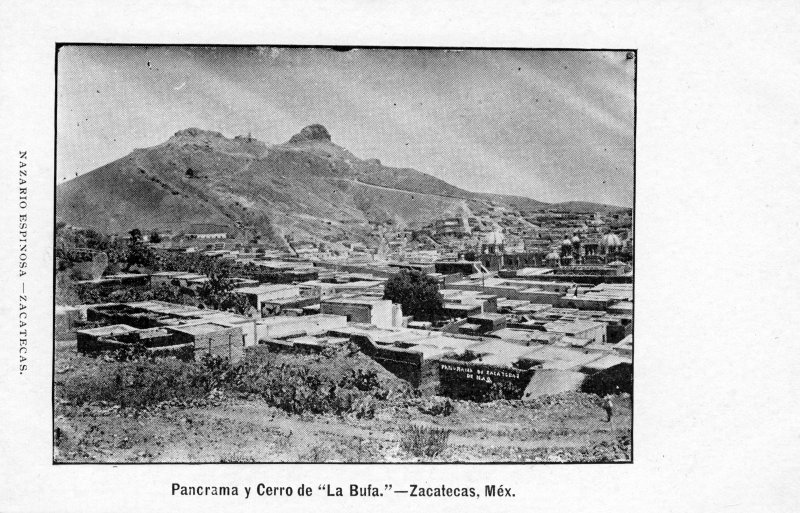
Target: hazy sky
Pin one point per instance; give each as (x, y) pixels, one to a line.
(554, 126)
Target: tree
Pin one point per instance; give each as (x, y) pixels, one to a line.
(213, 292)
(417, 293)
(155, 238)
(138, 253)
(217, 292)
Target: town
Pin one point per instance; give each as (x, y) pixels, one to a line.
(524, 303)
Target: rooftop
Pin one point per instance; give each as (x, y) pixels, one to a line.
(199, 329)
(356, 300)
(114, 329)
(488, 316)
(606, 362)
(524, 335)
(264, 288)
(562, 357)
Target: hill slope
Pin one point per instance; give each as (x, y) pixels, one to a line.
(308, 187)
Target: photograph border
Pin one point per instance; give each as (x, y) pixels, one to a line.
(340, 48)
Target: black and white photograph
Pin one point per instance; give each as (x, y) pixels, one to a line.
(272, 254)
(382, 256)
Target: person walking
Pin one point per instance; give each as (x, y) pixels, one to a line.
(608, 406)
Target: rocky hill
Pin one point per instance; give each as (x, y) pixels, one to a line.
(308, 187)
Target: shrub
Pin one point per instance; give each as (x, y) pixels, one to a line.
(437, 406)
(333, 382)
(421, 441)
(137, 382)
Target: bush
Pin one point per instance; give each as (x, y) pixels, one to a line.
(138, 383)
(297, 389)
(437, 406)
(421, 441)
(334, 382)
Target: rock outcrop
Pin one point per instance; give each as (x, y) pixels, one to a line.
(311, 133)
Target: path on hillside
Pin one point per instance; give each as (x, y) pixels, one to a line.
(406, 191)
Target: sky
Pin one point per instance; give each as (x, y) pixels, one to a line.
(550, 125)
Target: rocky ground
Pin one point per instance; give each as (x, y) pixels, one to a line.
(228, 426)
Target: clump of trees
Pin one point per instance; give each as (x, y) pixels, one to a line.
(417, 293)
(139, 254)
(69, 238)
(217, 292)
(132, 253)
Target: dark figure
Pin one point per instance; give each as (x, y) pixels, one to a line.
(608, 406)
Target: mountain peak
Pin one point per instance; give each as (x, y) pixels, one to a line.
(311, 133)
(196, 132)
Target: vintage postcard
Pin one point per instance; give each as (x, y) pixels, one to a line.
(307, 256)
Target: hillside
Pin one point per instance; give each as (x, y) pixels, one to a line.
(308, 187)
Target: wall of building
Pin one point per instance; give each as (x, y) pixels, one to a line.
(477, 382)
(596, 334)
(65, 319)
(406, 364)
(543, 296)
(279, 327)
(583, 302)
(225, 342)
(378, 313)
(353, 312)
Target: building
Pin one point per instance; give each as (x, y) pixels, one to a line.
(463, 267)
(364, 309)
(260, 295)
(487, 322)
(594, 332)
(531, 291)
(410, 354)
(625, 346)
(454, 310)
(210, 338)
(289, 326)
(150, 315)
(485, 302)
(207, 231)
(526, 337)
(97, 339)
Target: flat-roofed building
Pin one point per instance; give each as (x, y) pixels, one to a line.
(484, 369)
(230, 319)
(211, 338)
(460, 310)
(410, 354)
(364, 309)
(526, 337)
(284, 326)
(604, 363)
(259, 295)
(207, 231)
(622, 307)
(514, 289)
(90, 340)
(593, 331)
(562, 358)
(509, 305)
(488, 321)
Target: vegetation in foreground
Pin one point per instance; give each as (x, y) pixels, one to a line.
(337, 406)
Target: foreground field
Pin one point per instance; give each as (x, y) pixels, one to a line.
(231, 423)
